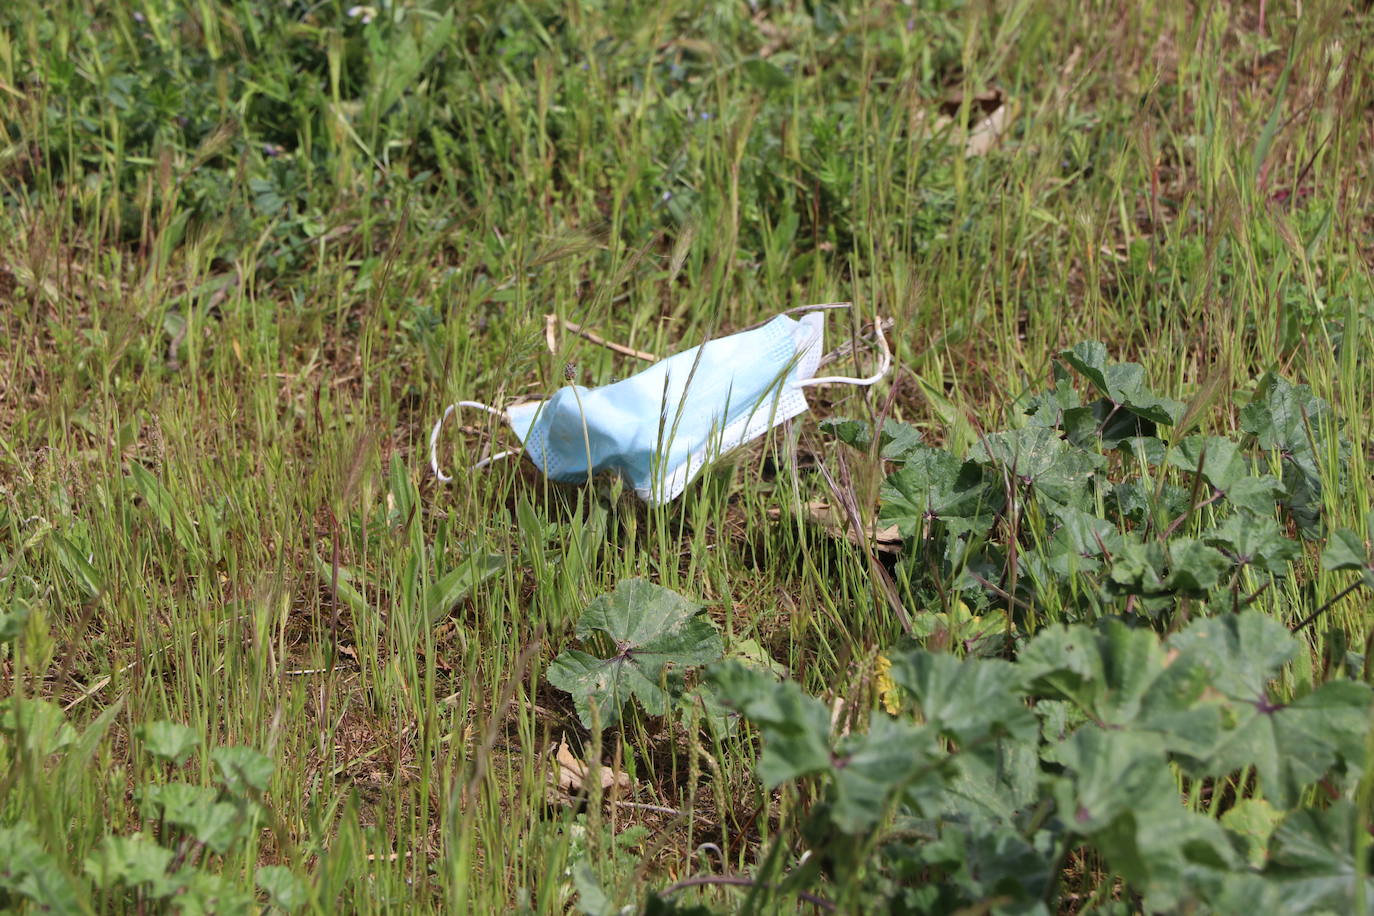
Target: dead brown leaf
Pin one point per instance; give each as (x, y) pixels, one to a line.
(572, 774)
(820, 512)
(989, 114)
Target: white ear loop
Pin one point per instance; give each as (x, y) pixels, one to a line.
(434, 439)
(884, 365)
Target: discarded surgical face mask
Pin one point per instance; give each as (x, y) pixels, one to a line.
(660, 427)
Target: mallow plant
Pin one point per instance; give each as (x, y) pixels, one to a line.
(1097, 675)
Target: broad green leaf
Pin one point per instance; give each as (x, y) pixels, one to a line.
(131, 860)
(990, 781)
(934, 484)
(983, 860)
(1120, 793)
(766, 75)
(76, 565)
(869, 769)
(283, 888)
(970, 700)
(1239, 654)
(1114, 773)
(1194, 568)
(650, 627)
(341, 581)
(1159, 846)
(1143, 450)
(1047, 409)
(169, 513)
(206, 894)
(1090, 359)
(1123, 383)
(1106, 425)
(1106, 673)
(21, 852)
(600, 687)
(1143, 504)
(656, 624)
(1063, 661)
(1312, 860)
(1184, 567)
(855, 433)
(198, 811)
(1281, 414)
(459, 582)
(795, 726)
(403, 494)
(749, 652)
(401, 61)
(1253, 820)
(1256, 495)
(242, 768)
(28, 870)
(895, 442)
(1121, 678)
(39, 726)
(1345, 550)
(168, 741)
(13, 621)
(1037, 456)
(1293, 746)
(591, 899)
(1255, 542)
(1235, 891)
(1083, 533)
(1139, 568)
(1221, 460)
(704, 700)
(1290, 420)
(79, 754)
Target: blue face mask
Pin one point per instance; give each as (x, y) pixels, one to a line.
(660, 427)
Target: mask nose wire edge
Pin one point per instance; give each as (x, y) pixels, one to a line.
(438, 427)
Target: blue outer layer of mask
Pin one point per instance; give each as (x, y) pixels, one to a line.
(660, 427)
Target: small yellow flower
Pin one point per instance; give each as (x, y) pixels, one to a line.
(889, 694)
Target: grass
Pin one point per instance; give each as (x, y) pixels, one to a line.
(249, 251)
